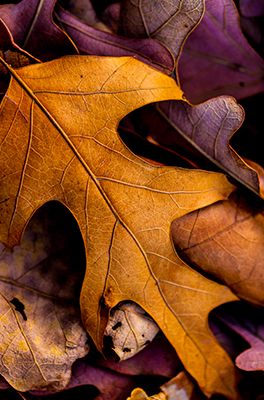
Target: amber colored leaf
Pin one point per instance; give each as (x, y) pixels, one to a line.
(227, 241)
(63, 116)
(40, 325)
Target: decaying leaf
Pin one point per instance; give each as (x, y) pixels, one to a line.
(63, 116)
(41, 332)
(130, 330)
(227, 241)
(217, 59)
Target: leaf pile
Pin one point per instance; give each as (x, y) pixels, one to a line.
(125, 209)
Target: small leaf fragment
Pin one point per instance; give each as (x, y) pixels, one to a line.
(130, 330)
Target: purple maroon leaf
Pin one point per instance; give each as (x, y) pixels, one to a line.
(217, 59)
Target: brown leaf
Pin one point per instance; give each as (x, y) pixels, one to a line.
(41, 331)
(63, 115)
(226, 240)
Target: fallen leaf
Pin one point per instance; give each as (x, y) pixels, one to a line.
(251, 8)
(247, 322)
(158, 358)
(63, 115)
(33, 29)
(130, 330)
(169, 22)
(84, 10)
(179, 388)
(140, 394)
(217, 58)
(41, 331)
(226, 240)
(90, 40)
(111, 385)
(209, 127)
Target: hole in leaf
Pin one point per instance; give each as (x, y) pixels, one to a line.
(126, 350)
(19, 306)
(117, 325)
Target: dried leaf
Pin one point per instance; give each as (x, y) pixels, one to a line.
(158, 358)
(251, 8)
(90, 40)
(169, 22)
(179, 388)
(247, 322)
(41, 331)
(33, 29)
(111, 385)
(209, 127)
(130, 329)
(84, 10)
(64, 115)
(227, 241)
(217, 58)
(140, 394)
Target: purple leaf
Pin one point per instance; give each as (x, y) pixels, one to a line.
(33, 29)
(209, 127)
(164, 20)
(248, 323)
(158, 358)
(93, 41)
(217, 58)
(251, 8)
(112, 386)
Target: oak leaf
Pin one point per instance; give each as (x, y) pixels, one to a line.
(62, 116)
(217, 58)
(226, 240)
(40, 325)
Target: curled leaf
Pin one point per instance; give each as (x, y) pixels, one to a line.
(227, 241)
(209, 127)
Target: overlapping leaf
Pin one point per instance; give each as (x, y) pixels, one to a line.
(33, 29)
(90, 40)
(217, 58)
(169, 22)
(41, 330)
(227, 241)
(69, 151)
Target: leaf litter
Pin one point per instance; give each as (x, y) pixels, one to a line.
(59, 142)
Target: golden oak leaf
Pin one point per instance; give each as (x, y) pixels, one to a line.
(59, 141)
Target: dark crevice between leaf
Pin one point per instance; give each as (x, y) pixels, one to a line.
(19, 307)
